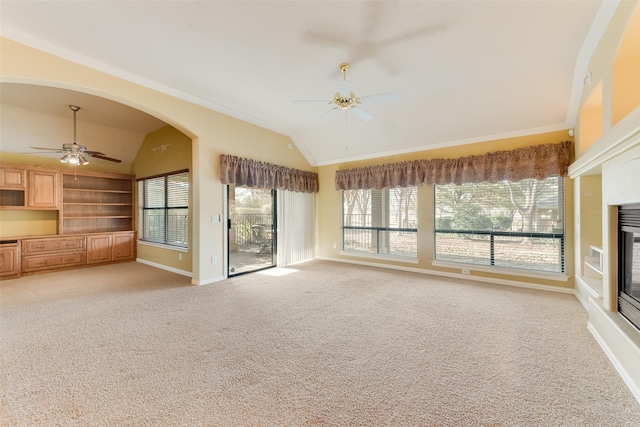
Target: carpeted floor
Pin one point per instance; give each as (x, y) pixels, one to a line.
(319, 343)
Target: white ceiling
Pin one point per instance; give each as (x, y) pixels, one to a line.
(464, 71)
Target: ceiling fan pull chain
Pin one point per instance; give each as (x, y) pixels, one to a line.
(346, 131)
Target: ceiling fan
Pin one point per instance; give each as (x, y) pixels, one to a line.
(345, 99)
(75, 153)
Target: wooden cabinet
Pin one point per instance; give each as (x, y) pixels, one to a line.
(43, 189)
(9, 259)
(111, 247)
(52, 261)
(13, 178)
(96, 203)
(29, 187)
(99, 249)
(123, 246)
(13, 186)
(51, 253)
(57, 252)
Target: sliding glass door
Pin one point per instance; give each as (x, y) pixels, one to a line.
(252, 234)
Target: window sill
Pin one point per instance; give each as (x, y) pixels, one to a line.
(163, 246)
(559, 277)
(394, 258)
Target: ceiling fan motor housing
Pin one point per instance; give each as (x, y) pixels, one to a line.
(345, 103)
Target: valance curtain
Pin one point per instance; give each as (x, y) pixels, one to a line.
(539, 162)
(252, 173)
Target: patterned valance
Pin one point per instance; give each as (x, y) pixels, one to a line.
(252, 173)
(538, 161)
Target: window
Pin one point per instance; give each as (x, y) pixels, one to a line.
(381, 222)
(507, 224)
(163, 209)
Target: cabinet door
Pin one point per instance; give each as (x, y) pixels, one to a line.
(123, 246)
(9, 265)
(98, 248)
(43, 189)
(12, 178)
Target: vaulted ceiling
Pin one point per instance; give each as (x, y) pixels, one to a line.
(463, 71)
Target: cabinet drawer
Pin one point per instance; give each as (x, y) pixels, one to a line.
(51, 245)
(46, 262)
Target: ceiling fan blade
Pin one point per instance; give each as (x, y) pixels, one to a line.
(328, 38)
(362, 115)
(93, 153)
(57, 150)
(110, 159)
(45, 152)
(380, 97)
(300, 101)
(326, 115)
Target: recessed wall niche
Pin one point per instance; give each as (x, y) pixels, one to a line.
(625, 96)
(590, 126)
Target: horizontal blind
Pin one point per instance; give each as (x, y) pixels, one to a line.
(504, 224)
(178, 209)
(163, 208)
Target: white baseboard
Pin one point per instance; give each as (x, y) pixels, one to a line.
(455, 275)
(633, 386)
(207, 281)
(182, 272)
(164, 267)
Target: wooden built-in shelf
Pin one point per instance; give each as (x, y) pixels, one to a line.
(97, 203)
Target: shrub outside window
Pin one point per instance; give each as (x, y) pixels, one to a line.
(380, 222)
(507, 224)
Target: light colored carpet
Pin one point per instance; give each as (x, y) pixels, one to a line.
(320, 343)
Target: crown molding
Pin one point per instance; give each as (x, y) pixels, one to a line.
(452, 143)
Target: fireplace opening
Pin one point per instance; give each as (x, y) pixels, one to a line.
(629, 263)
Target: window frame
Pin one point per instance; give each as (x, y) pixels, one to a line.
(385, 209)
(492, 233)
(142, 198)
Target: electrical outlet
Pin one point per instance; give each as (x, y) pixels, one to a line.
(335, 245)
(213, 260)
(180, 257)
(466, 271)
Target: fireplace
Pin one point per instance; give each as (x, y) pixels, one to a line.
(629, 263)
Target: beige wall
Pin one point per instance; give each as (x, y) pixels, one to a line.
(212, 134)
(22, 223)
(165, 150)
(329, 207)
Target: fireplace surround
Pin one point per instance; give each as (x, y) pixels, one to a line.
(629, 263)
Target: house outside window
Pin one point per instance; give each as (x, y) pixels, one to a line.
(508, 224)
(380, 222)
(163, 209)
